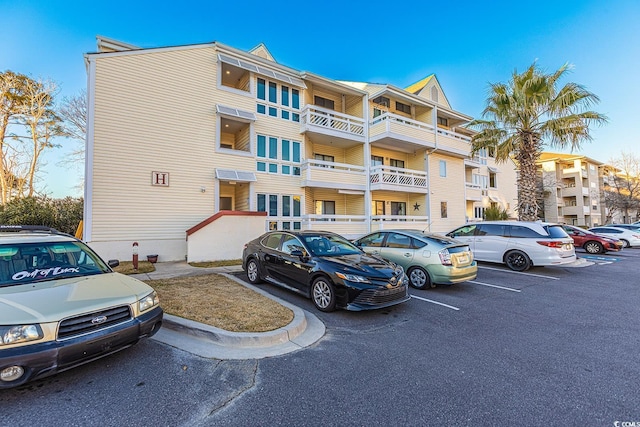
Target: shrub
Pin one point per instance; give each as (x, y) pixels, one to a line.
(61, 214)
(495, 213)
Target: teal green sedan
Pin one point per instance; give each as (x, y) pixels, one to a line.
(426, 258)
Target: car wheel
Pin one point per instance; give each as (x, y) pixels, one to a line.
(517, 260)
(252, 271)
(419, 278)
(625, 243)
(323, 294)
(594, 247)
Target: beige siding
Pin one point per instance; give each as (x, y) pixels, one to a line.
(417, 161)
(354, 106)
(337, 153)
(153, 112)
(355, 156)
(449, 189)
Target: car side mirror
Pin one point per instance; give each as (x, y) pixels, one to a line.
(113, 263)
(299, 254)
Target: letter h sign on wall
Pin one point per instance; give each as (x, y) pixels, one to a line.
(160, 179)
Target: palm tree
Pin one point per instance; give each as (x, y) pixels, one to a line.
(527, 113)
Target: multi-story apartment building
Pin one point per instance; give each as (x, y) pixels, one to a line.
(571, 189)
(179, 134)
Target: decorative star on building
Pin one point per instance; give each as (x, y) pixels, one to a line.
(416, 207)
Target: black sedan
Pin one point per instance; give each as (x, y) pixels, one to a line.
(325, 267)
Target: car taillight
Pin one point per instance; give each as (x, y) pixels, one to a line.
(445, 257)
(551, 244)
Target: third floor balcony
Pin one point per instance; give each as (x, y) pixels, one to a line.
(401, 133)
(329, 126)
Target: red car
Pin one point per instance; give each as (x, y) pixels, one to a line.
(591, 242)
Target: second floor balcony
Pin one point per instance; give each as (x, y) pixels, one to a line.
(329, 126)
(398, 179)
(322, 174)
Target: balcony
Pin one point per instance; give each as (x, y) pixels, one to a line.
(397, 179)
(404, 222)
(350, 226)
(400, 133)
(321, 174)
(331, 127)
(454, 142)
(474, 192)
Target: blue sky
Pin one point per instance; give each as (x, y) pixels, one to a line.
(467, 44)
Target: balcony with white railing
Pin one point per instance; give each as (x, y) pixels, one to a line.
(350, 226)
(404, 222)
(326, 124)
(401, 132)
(398, 179)
(473, 192)
(321, 174)
(453, 141)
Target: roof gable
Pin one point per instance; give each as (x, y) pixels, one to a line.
(262, 51)
(429, 88)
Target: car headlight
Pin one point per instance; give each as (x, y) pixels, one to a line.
(20, 333)
(352, 278)
(148, 302)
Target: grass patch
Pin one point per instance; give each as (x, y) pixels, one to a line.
(223, 263)
(218, 301)
(126, 267)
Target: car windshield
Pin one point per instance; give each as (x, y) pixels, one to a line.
(329, 245)
(22, 263)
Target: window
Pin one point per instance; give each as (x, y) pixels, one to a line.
(443, 209)
(478, 212)
(376, 160)
(396, 163)
(492, 180)
(492, 230)
(434, 94)
(466, 231)
(290, 244)
(398, 208)
(403, 107)
(325, 207)
(285, 161)
(443, 121)
(284, 209)
(481, 180)
(377, 207)
(443, 168)
(324, 157)
(372, 241)
(272, 241)
(276, 98)
(323, 102)
(399, 241)
(482, 156)
(491, 152)
(383, 101)
(520, 231)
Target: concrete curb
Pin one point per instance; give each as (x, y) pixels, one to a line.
(208, 341)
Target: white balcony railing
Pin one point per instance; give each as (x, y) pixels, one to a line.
(397, 176)
(331, 120)
(455, 135)
(390, 117)
(319, 173)
(405, 222)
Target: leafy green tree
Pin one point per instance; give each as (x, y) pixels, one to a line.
(527, 113)
(494, 213)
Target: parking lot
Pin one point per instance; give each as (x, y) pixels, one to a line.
(549, 346)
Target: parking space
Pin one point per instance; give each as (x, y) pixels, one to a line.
(498, 278)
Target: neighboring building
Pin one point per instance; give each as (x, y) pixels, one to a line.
(177, 136)
(571, 189)
(615, 187)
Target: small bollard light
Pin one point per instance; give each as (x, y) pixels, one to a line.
(135, 256)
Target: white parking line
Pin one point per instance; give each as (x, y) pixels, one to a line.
(435, 302)
(494, 286)
(518, 272)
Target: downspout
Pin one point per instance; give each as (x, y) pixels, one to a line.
(428, 169)
(367, 164)
(87, 216)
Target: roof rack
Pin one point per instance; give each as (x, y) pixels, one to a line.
(19, 228)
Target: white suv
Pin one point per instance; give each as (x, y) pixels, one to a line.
(518, 244)
(62, 306)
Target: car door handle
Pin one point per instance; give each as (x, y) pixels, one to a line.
(375, 252)
(407, 254)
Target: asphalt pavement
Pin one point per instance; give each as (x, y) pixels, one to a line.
(211, 342)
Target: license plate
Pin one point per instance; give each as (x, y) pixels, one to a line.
(463, 259)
